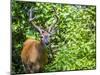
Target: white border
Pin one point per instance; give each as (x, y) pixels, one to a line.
(5, 37)
(83, 2)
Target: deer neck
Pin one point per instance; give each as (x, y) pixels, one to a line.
(42, 47)
(42, 43)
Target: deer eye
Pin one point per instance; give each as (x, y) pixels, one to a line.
(41, 36)
(42, 31)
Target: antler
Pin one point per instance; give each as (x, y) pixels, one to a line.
(52, 27)
(31, 18)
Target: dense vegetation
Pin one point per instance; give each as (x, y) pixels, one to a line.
(74, 43)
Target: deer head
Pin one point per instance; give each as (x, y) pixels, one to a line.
(45, 34)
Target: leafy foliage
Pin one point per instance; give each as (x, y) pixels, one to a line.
(73, 45)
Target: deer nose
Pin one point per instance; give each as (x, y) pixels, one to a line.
(46, 43)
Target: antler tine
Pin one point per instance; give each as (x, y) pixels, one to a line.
(31, 19)
(30, 15)
(51, 27)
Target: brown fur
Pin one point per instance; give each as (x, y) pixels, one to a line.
(34, 55)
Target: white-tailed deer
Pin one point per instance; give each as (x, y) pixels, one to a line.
(34, 54)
